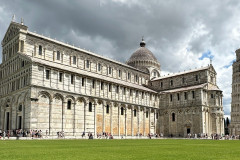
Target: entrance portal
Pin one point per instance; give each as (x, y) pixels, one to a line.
(7, 121)
(188, 130)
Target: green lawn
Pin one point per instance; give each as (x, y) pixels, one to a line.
(120, 149)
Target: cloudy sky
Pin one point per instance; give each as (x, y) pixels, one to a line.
(182, 34)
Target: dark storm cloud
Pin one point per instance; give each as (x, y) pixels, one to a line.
(121, 25)
(177, 32)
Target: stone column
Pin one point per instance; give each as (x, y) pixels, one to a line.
(10, 118)
(43, 76)
(4, 119)
(34, 53)
(138, 120)
(154, 120)
(44, 53)
(111, 118)
(85, 114)
(1, 118)
(103, 105)
(209, 123)
(144, 118)
(149, 118)
(95, 118)
(119, 106)
(50, 116)
(74, 120)
(126, 120)
(78, 62)
(85, 85)
(216, 121)
(205, 121)
(220, 125)
(63, 114)
(19, 45)
(54, 55)
(74, 82)
(132, 116)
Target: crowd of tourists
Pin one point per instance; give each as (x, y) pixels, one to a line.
(213, 136)
(60, 134)
(105, 135)
(21, 133)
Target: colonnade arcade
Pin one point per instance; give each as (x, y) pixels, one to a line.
(77, 114)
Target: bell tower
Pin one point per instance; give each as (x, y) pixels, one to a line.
(235, 105)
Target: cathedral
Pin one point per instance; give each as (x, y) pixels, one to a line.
(52, 86)
(234, 127)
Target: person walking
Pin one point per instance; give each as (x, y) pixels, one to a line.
(46, 133)
(4, 135)
(8, 134)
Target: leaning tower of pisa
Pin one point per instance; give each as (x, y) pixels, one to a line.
(235, 105)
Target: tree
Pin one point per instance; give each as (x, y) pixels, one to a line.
(227, 122)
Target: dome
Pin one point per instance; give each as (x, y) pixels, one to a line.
(143, 58)
(141, 54)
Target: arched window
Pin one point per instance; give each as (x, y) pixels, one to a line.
(107, 109)
(93, 83)
(146, 114)
(183, 80)
(74, 59)
(23, 63)
(69, 104)
(99, 67)
(122, 111)
(171, 82)
(196, 77)
(135, 113)
(110, 88)
(58, 55)
(87, 64)
(129, 75)
(40, 50)
(83, 80)
(109, 70)
(173, 117)
(72, 79)
(136, 78)
(20, 108)
(90, 107)
(171, 97)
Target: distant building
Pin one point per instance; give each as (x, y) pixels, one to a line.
(49, 85)
(235, 105)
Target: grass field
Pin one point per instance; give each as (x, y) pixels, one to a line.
(120, 149)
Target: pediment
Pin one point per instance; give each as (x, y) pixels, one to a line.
(212, 69)
(12, 31)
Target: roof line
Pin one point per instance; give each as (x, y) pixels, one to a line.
(184, 88)
(85, 51)
(181, 73)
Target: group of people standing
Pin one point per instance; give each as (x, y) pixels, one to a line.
(4, 134)
(104, 135)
